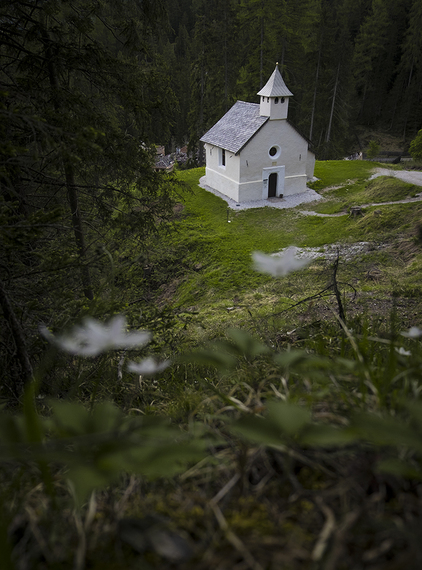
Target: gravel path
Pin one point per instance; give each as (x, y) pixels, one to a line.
(281, 203)
(405, 201)
(414, 177)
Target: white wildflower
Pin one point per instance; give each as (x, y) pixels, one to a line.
(403, 352)
(413, 332)
(148, 366)
(278, 265)
(93, 337)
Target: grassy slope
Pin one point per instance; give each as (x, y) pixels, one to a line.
(291, 507)
(217, 270)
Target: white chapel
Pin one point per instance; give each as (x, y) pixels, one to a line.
(253, 152)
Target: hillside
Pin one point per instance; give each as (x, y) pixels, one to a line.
(279, 435)
(216, 281)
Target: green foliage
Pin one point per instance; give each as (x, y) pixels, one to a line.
(415, 148)
(95, 446)
(373, 149)
(362, 69)
(307, 407)
(289, 424)
(88, 98)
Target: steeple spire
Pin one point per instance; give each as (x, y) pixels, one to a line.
(274, 97)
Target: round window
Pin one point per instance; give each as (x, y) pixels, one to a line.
(274, 152)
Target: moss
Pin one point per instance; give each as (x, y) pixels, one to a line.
(249, 516)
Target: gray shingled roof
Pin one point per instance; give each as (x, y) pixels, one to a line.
(236, 127)
(275, 86)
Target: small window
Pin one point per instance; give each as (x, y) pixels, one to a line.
(222, 157)
(274, 152)
(282, 100)
(276, 100)
(268, 99)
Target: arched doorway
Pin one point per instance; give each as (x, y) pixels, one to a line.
(272, 185)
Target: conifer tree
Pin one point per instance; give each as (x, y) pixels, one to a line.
(83, 97)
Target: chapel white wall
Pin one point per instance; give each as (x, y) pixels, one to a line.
(241, 179)
(224, 179)
(269, 108)
(254, 158)
(310, 165)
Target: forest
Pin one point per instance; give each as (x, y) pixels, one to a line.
(164, 404)
(348, 63)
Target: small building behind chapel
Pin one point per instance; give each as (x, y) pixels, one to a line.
(253, 152)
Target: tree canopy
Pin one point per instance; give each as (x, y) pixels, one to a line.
(346, 63)
(84, 97)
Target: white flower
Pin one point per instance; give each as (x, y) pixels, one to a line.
(93, 338)
(413, 332)
(278, 265)
(403, 352)
(148, 366)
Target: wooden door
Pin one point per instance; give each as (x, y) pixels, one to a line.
(272, 185)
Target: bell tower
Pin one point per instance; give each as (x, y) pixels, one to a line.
(274, 97)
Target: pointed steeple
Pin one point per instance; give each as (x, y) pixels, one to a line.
(275, 86)
(274, 97)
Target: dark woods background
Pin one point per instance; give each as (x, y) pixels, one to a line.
(347, 62)
(88, 87)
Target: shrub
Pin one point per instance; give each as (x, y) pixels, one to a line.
(415, 148)
(373, 149)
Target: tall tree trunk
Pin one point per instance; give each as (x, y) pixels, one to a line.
(200, 130)
(311, 129)
(261, 63)
(327, 138)
(78, 229)
(407, 101)
(19, 339)
(226, 63)
(69, 173)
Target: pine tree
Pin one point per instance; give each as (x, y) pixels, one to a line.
(410, 76)
(83, 97)
(373, 61)
(213, 66)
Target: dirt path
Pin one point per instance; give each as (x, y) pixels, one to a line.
(413, 177)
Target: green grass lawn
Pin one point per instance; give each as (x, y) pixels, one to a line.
(333, 172)
(223, 240)
(363, 192)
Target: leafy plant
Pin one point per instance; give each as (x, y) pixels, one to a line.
(95, 446)
(373, 149)
(415, 148)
